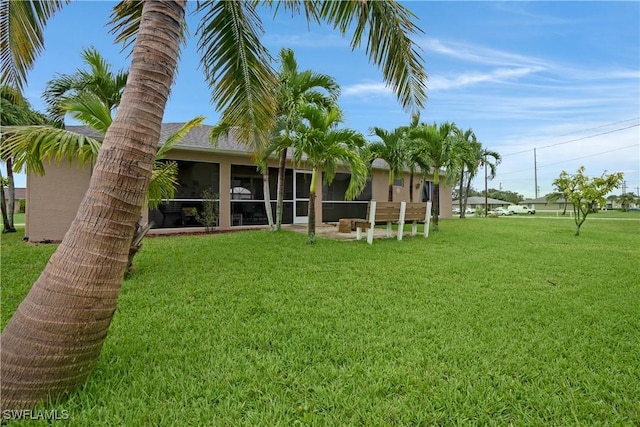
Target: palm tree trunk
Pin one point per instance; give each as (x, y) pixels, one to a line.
(462, 200)
(267, 195)
(435, 205)
(6, 228)
(11, 187)
(53, 341)
(411, 188)
(311, 236)
(280, 195)
(390, 197)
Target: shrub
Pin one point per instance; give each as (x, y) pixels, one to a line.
(209, 214)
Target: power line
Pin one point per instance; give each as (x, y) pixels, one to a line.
(570, 160)
(590, 155)
(601, 126)
(576, 139)
(590, 136)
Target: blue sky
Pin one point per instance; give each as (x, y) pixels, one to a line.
(560, 77)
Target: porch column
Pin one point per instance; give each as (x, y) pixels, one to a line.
(225, 198)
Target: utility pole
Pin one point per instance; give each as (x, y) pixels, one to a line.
(624, 187)
(535, 171)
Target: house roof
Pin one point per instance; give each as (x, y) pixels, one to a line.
(21, 193)
(197, 139)
(541, 200)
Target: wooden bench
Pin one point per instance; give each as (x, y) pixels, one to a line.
(394, 212)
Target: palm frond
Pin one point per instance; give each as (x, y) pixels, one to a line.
(125, 21)
(237, 68)
(164, 179)
(98, 80)
(388, 27)
(178, 135)
(30, 145)
(21, 36)
(15, 110)
(90, 110)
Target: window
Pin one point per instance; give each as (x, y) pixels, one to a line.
(193, 179)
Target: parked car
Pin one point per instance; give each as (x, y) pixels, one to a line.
(499, 211)
(456, 211)
(519, 209)
(470, 211)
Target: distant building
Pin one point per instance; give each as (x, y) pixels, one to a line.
(20, 197)
(477, 202)
(541, 205)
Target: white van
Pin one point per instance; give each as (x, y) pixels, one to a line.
(519, 209)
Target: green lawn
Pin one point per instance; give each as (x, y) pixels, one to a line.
(18, 220)
(488, 321)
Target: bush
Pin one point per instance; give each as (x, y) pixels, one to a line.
(209, 214)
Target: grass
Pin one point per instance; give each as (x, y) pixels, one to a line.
(489, 321)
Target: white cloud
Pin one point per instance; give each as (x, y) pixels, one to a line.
(367, 89)
(493, 76)
(308, 39)
(479, 54)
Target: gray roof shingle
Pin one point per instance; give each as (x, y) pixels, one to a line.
(198, 139)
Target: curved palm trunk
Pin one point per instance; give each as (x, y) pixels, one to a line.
(311, 235)
(267, 195)
(53, 341)
(280, 195)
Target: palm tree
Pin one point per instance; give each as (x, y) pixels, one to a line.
(54, 339)
(412, 152)
(294, 91)
(625, 200)
(391, 148)
(321, 145)
(472, 157)
(435, 150)
(21, 38)
(14, 111)
(98, 81)
(90, 97)
(468, 163)
(488, 159)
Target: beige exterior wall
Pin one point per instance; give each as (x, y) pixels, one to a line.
(380, 186)
(53, 199)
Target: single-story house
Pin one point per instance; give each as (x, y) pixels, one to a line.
(477, 202)
(230, 172)
(540, 204)
(20, 197)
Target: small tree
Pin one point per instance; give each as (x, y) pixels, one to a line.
(585, 193)
(209, 214)
(626, 200)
